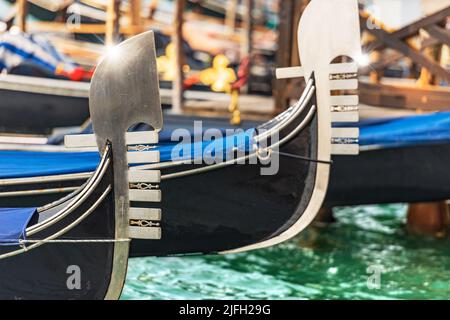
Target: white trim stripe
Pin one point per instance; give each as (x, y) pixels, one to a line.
(348, 84)
(145, 233)
(145, 214)
(339, 68)
(345, 149)
(350, 100)
(345, 132)
(131, 138)
(145, 195)
(148, 176)
(345, 116)
(143, 157)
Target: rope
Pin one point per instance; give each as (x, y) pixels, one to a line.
(302, 157)
(22, 242)
(24, 248)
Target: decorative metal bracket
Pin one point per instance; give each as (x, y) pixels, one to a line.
(344, 108)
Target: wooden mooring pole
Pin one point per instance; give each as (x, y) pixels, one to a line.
(177, 39)
(112, 22)
(287, 54)
(152, 8)
(135, 15)
(231, 13)
(247, 43)
(22, 11)
(429, 219)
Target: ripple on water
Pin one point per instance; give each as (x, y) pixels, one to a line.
(321, 263)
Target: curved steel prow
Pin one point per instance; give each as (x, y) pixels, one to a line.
(328, 29)
(124, 92)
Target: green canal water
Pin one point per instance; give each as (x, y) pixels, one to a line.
(328, 262)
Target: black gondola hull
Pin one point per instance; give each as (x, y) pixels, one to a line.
(398, 175)
(29, 112)
(48, 270)
(378, 176)
(235, 206)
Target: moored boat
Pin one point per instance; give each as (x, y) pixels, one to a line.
(228, 206)
(389, 150)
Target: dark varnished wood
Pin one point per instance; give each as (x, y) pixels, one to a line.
(42, 273)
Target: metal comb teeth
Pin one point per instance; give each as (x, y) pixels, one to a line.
(344, 108)
(144, 187)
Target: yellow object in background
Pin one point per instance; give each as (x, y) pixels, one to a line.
(219, 77)
(167, 64)
(234, 108)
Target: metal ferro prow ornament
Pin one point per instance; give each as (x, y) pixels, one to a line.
(125, 91)
(328, 29)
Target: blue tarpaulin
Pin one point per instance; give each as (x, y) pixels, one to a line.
(13, 223)
(20, 164)
(387, 133)
(414, 130)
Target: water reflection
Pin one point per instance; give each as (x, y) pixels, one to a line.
(322, 263)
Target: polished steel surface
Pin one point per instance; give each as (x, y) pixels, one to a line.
(124, 91)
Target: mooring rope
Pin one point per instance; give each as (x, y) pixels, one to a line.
(38, 242)
(75, 241)
(21, 242)
(295, 156)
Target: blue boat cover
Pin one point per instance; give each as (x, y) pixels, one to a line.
(21, 164)
(386, 133)
(406, 131)
(13, 224)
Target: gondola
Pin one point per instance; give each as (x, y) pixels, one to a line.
(187, 207)
(62, 103)
(380, 173)
(90, 231)
(58, 104)
(55, 104)
(391, 175)
(48, 98)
